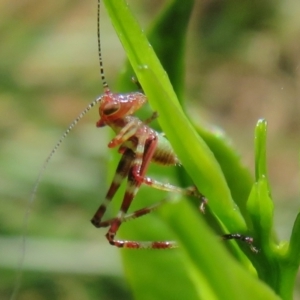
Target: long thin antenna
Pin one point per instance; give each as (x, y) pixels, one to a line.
(46, 162)
(102, 74)
(34, 191)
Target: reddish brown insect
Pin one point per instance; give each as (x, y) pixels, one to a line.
(139, 145)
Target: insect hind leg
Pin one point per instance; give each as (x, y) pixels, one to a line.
(144, 153)
(131, 190)
(241, 237)
(141, 161)
(138, 244)
(121, 173)
(138, 213)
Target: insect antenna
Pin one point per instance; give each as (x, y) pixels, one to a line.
(102, 74)
(48, 159)
(76, 120)
(34, 191)
(60, 141)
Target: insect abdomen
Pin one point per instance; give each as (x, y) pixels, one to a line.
(164, 153)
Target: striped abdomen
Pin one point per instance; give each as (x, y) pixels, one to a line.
(164, 153)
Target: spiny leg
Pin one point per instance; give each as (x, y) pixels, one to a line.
(121, 173)
(145, 244)
(241, 237)
(142, 244)
(132, 188)
(123, 217)
(165, 244)
(167, 187)
(169, 244)
(138, 213)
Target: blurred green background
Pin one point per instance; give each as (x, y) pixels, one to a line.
(243, 63)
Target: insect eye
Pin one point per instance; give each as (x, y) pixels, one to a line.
(111, 109)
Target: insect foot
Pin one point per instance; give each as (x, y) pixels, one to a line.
(193, 191)
(237, 236)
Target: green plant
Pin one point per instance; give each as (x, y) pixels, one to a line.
(202, 268)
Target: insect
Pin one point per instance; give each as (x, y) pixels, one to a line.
(139, 145)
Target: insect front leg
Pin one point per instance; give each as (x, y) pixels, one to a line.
(125, 134)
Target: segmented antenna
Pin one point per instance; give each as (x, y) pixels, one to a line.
(34, 191)
(60, 141)
(46, 162)
(102, 74)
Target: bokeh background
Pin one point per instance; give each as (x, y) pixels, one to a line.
(243, 63)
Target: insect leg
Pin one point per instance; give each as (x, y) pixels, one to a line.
(132, 188)
(140, 167)
(138, 213)
(153, 117)
(137, 244)
(241, 237)
(125, 133)
(121, 173)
